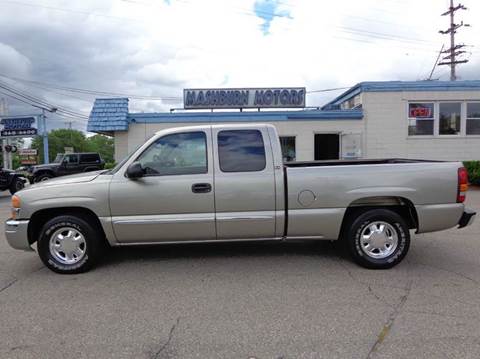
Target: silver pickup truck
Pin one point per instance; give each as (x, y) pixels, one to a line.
(228, 183)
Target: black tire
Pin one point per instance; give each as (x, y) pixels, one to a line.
(16, 185)
(43, 177)
(93, 244)
(360, 225)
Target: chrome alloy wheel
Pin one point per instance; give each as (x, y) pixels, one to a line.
(67, 245)
(379, 240)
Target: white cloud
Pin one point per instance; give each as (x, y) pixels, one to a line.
(149, 47)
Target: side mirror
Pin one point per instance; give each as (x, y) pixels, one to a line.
(135, 170)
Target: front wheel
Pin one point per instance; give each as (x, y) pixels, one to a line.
(16, 185)
(69, 244)
(378, 239)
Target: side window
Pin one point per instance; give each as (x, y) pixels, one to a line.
(449, 118)
(473, 118)
(89, 158)
(176, 154)
(288, 148)
(71, 159)
(241, 151)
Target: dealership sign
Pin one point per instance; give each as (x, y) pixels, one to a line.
(274, 97)
(18, 127)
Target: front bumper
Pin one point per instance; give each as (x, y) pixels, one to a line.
(467, 218)
(16, 233)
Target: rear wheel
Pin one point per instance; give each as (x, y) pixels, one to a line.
(69, 244)
(378, 239)
(16, 185)
(43, 177)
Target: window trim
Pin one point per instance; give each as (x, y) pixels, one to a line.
(435, 114)
(243, 129)
(180, 174)
(436, 125)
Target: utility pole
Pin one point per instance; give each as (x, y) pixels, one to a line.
(4, 112)
(455, 50)
(69, 124)
(45, 137)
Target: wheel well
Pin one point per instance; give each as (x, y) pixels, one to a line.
(402, 206)
(43, 172)
(39, 218)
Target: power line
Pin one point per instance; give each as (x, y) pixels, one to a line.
(92, 92)
(329, 89)
(37, 102)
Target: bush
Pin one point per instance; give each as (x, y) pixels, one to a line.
(473, 168)
(110, 165)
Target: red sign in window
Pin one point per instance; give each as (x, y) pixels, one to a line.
(418, 111)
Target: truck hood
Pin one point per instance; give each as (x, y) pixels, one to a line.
(77, 178)
(47, 165)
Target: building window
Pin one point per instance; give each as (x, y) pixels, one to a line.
(473, 118)
(449, 118)
(241, 151)
(288, 148)
(420, 119)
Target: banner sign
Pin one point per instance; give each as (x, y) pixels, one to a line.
(28, 160)
(18, 133)
(28, 152)
(18, 127)
(273, 97)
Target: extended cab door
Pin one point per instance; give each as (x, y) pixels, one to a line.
(244, 182)
(174, 200)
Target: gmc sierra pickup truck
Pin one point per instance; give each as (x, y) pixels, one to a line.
(228, 183)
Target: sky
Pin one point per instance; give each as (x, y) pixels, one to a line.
(153, 49)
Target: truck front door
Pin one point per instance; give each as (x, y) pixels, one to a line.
(174, 201)
(244, 183)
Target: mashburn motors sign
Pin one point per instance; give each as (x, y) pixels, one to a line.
(273, 97)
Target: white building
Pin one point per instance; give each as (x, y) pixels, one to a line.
(421, 119)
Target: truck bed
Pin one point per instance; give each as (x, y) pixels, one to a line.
(354, 162)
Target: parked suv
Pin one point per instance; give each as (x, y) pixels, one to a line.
(11, 180)
(66, 164)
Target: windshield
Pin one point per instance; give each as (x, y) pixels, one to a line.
(58, 159)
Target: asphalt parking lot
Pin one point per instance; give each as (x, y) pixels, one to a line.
(275, 300)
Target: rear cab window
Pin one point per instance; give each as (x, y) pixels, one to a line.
(241, 151)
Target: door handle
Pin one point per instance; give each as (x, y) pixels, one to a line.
(201, 187)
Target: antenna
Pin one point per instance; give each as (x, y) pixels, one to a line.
(436, 63)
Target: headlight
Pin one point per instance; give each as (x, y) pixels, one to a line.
(15, 206)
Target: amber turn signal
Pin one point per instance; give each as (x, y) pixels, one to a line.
(15, 201)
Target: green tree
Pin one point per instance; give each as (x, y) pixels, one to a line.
(59, 139)
(103, 145)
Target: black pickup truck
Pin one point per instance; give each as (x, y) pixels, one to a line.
(66, 164)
